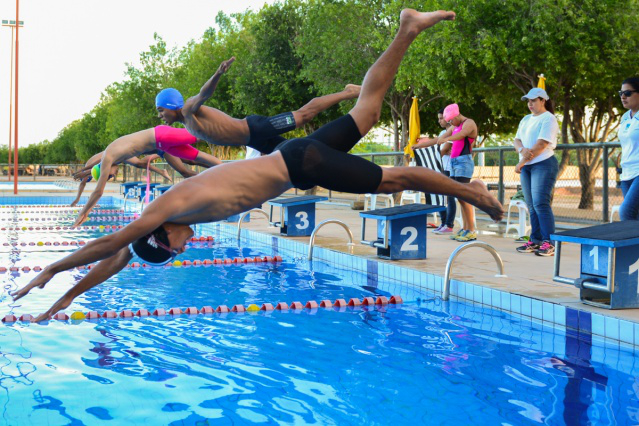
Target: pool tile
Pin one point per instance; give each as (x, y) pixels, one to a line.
(611, 327)
(598, 325)
(626, 332)
(454, 287)
(637, 335)
(461, 289)
(438, 284)
(585, 322)
(536, 309)
(470, 291)
(548, 312)
(526, 306)
(495, 298)
(560, 314)
(505, 301)
(477, 293)
(486, 296)
(515, 303)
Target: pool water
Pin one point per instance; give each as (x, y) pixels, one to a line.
(423, 362)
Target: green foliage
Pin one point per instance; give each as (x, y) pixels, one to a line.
(293, 50)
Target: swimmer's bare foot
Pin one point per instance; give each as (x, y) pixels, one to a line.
(352, 90)
(485, 201)
(167, 176)
(411, 20)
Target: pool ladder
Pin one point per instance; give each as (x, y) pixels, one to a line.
(455, 253)
(320, 225)
(243, 215)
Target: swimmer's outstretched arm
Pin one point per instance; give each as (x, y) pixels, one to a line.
(103, 248)
(194, 103)
(107, 162)
(83, 183)
(97, 275)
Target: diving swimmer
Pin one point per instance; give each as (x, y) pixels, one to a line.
(163, 229)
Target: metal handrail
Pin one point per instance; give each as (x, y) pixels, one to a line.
(326, 222)
(455, 253)
(243, 215)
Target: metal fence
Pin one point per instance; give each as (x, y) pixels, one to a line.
(494, 165)
(571, 200)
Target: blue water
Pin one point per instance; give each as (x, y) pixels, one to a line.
(426, 362)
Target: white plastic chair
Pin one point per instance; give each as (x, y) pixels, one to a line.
(371, 199)
(414, 196)
(523, 225)
(613, 210)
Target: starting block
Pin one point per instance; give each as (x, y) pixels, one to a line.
(140, 190)
(297, 215)
(159, 190)
(609, 276)
(126, 187)
(401, 231)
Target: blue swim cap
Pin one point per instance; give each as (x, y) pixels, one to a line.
(169, 99)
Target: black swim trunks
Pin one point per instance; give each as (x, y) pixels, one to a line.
(322, 159)
(265, 131)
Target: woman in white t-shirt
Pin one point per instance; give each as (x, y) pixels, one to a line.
(629, 138)
(535, 141)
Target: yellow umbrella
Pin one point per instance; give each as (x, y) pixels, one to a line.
(542, 82)
(413, 128)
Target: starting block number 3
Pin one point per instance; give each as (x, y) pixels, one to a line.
(303, 220)
(594, 253)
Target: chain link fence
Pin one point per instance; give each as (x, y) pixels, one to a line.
(586, 191)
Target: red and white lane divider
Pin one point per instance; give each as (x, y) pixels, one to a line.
(63, 210)
(58, 228)
(95, 218)
(44, 206)
(175, 264)
(341, 305)
(81, 243)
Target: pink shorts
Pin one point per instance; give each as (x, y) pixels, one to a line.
(176, 142)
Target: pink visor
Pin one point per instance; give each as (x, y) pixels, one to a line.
(451, 111)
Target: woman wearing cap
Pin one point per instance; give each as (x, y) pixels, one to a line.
(462, 134)
(535, 141)
(629, 138)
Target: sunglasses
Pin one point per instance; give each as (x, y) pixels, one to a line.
(627, 93)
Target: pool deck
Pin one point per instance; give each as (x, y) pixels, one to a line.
(527, 274)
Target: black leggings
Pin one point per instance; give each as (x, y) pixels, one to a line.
(322, 159)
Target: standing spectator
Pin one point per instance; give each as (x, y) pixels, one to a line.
(462, 134)
(535, 141)
(448, 215)
(629, 138)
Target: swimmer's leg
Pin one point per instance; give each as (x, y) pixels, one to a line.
(207, 160)
(396, 179)
(380, 76)
(317, 105)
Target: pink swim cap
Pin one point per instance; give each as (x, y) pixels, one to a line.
(451, 111)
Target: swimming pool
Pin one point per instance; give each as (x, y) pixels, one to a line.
(32, 186)
(424, 362)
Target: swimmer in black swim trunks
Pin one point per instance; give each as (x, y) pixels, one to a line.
(259, 132)
(163, 229)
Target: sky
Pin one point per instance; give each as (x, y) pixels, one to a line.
(71, 50)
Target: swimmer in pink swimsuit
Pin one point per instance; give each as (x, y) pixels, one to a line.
(177, 142)
(172, 143)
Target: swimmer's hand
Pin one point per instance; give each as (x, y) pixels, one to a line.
(81, 219)
(40, 281)
(225, 65)
(58, 306)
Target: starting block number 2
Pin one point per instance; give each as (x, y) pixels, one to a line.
(408, 244)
